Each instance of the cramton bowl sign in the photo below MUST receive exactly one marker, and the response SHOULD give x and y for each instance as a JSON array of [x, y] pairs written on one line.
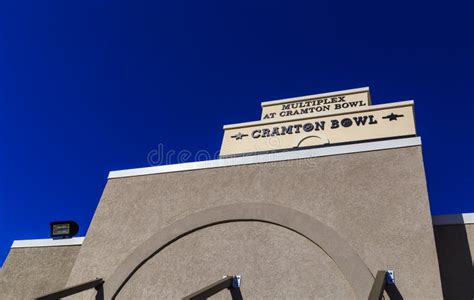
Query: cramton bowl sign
[[297, 122]]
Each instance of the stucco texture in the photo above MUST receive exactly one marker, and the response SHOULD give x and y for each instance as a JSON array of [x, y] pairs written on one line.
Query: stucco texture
[[295, 268], [376, 201], [32, 272]]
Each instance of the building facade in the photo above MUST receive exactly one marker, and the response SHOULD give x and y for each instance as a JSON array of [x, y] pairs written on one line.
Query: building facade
[[309, 202]]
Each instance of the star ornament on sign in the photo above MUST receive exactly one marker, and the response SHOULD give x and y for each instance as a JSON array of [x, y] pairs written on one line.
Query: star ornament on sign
[[239, 136], [393, 117]]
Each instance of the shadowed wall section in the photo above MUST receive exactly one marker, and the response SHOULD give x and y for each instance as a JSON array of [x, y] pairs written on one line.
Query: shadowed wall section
[[455, 246]]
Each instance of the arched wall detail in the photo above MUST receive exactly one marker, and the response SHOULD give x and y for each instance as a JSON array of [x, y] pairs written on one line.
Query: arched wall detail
[[349, 263]]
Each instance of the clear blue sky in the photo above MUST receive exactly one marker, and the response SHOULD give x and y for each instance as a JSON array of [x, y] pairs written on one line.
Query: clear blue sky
[[87, 87]]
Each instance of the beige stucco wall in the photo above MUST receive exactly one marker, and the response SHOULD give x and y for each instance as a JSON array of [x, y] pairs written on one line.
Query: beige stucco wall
[[455, 246], [294, 268], [376, 201], [32, 272]]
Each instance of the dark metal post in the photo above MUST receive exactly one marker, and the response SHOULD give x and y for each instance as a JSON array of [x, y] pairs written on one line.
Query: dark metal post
[[96, 283], [379, 285], [214, 288]]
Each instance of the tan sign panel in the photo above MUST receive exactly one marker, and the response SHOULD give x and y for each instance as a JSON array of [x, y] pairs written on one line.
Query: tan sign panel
[[375, 122], [316, 105]]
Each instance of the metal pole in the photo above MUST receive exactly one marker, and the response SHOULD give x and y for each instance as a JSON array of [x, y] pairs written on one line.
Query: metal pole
[[379, 285]]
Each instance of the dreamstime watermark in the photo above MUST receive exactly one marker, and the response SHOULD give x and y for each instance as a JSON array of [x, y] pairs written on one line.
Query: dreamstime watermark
[[160, 156], [272, 155]]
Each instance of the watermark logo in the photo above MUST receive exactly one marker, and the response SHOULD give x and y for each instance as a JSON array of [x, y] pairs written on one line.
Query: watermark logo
[[161, 156]]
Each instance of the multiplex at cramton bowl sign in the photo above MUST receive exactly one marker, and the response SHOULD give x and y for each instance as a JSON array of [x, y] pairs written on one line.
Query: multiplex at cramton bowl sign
[[315, 105], [318, 120]]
